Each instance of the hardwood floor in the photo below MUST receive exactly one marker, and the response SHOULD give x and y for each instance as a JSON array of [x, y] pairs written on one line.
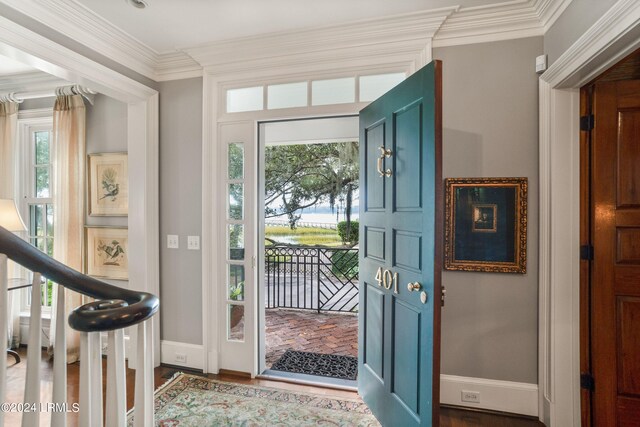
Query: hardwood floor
[[450, 417]]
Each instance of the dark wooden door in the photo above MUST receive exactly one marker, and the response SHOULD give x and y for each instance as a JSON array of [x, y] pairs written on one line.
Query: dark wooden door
[[400, 255], [615, 231]]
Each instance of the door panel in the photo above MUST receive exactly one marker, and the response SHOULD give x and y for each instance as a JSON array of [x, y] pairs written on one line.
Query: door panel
[[615, 232], [407, 250], [374, 193], [629, 340], [374, 243], [406, 354], [628, 159], [374, 321], [407, 159], [399, 330], [628, 247]]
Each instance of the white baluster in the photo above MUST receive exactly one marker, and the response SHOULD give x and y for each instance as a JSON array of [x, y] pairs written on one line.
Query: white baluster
[[59, 418], [116, 381], [143, 415], [85, 380], [90, 380], [96, 379], [4, 309], [34, 354]]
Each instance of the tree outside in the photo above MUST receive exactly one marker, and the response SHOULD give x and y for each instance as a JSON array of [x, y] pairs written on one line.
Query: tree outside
[[303, 179]]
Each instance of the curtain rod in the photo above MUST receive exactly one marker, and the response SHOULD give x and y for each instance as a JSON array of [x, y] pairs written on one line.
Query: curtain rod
[[19, 97]]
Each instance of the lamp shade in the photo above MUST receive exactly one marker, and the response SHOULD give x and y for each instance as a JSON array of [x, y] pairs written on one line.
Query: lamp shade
[[10, 217]]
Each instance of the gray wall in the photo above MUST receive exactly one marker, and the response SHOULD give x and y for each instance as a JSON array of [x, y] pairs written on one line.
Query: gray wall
[[106, 133], [181, 209], [490, 120], [574, 21]]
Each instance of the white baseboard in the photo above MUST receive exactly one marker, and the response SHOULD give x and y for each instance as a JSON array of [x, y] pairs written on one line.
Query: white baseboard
[[24, 330], [193, 354], [504, 396]]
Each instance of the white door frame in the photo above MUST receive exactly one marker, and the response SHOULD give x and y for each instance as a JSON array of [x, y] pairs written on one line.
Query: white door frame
[[214, 118], [615, 35], [24, 45]]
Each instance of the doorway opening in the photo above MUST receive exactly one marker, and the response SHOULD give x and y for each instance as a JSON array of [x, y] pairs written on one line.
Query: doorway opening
[[609, 223], [308, 249]]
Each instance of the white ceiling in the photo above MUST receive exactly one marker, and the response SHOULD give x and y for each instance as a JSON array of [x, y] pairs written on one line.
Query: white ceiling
[[166, 25], [10, 66]]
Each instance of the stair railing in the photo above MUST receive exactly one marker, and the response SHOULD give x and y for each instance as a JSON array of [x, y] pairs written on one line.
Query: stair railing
[[113, 310]]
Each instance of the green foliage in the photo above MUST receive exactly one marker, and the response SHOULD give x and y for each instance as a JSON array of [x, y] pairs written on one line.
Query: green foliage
[[345, 263], [236, 161], [313, 240], [304, 175], [236, 292], [277, 258], [42, 171], [236, 241], [306, 236], [349, 232]]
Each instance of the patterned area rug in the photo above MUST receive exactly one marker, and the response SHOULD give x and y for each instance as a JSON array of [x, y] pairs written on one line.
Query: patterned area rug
[[193, 401], [326, 365]]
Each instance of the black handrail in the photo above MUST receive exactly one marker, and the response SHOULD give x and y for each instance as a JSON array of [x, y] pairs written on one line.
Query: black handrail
[[117, 308]]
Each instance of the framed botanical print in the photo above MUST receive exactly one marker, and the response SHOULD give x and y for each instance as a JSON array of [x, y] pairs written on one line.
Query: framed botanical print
[[107, 252], [108, 184], [486, 224]]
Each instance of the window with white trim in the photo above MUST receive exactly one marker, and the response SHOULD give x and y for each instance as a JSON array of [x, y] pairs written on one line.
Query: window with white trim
[[36, 189], [311, 93]]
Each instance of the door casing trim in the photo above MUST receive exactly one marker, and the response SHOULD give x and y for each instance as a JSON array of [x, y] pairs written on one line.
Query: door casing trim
[[27, 46], [611, 38]]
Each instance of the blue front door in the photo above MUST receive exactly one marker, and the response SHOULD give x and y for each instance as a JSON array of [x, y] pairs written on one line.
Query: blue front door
[[400, 254]]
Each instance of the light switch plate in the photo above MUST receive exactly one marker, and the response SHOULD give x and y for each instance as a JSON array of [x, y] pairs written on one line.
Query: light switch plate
[[193, 243], [173, 241]]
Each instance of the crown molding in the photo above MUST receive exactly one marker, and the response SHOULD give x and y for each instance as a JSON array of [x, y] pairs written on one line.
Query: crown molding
[[176, 66], [502, 21], [30, 82], [77, 22], [43, 114], [550, 10], [445, 27], [615, 35], [398, 38]]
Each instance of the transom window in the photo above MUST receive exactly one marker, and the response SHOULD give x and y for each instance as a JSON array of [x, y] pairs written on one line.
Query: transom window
[[342, 90]]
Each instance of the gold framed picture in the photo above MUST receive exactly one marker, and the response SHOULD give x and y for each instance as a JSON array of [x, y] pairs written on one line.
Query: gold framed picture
[[106, 252], [486, 224], [108, 184]]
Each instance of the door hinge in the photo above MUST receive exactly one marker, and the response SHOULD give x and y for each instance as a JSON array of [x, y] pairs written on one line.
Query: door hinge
[[587, 382], [587, 122], [586, 252]]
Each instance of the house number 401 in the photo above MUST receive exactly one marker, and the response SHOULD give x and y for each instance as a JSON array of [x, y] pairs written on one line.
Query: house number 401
[[386, 279]]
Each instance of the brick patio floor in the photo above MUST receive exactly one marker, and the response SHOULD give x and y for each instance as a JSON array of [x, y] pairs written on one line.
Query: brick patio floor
[[327, 333]]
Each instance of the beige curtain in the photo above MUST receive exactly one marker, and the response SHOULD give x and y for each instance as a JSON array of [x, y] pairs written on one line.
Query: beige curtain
[[68, 183], [8, 159]]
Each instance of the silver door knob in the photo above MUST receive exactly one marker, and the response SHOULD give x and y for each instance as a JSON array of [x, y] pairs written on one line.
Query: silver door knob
[[424, 297]]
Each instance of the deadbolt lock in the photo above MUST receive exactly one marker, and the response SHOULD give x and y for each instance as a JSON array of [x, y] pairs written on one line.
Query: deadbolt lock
[[415, 286]]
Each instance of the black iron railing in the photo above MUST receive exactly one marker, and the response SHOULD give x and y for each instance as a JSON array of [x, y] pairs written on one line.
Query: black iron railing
[[313, 278]]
